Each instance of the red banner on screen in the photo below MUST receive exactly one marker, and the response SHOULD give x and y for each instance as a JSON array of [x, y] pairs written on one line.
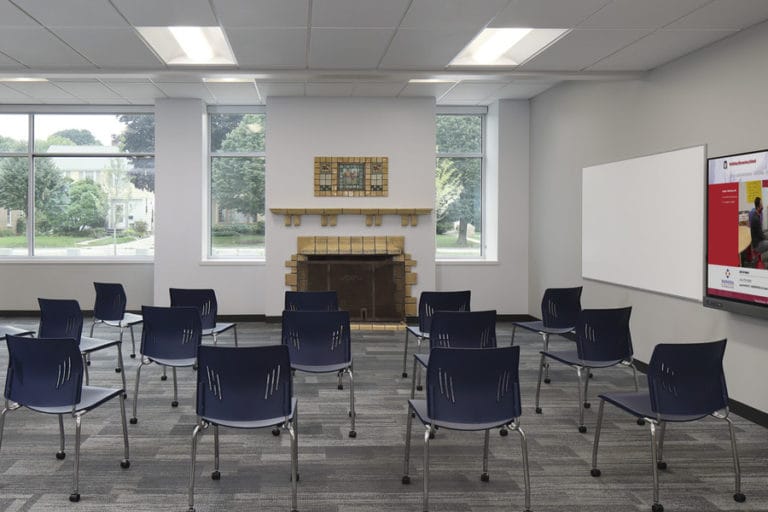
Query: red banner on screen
[[723, 226]]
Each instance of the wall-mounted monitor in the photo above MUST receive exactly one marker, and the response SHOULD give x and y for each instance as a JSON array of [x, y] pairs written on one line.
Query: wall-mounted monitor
[[737, 233]]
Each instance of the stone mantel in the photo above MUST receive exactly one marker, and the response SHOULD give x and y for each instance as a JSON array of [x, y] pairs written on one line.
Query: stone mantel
[[373, 216]]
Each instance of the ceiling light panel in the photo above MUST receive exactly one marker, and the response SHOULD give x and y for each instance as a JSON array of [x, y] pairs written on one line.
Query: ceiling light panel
[[189, 46], [506, 46]]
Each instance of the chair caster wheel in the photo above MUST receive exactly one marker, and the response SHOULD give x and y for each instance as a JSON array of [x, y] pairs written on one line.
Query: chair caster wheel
[[640, 421], [740, 497], [297, 478], [587, 405], [88, 363], [163, 377], [125, 396], [582, 429], [595, 473], [503, 432], [419, 387], [406, 480], [405, 375], [125, 463], [132, 356], [591, 375], [339, 387], [352, 434], [215, 475], [175, 403], [431, 435], [538, 410], [118, 370], [661, 464], [485, 478], [133, 421], [657, 507], [547, 380], [275, 432], [60, 455], [74, 497]]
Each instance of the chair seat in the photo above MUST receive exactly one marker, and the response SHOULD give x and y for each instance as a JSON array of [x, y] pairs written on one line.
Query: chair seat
[[267, 422], [90, 398], [539, 327], [179, 363], [420, 408], [218, 329], [571, 357], [414, 329], [423, 359], [88, 345], [325, 368], [128, 320], [639, 405], [14, 331]]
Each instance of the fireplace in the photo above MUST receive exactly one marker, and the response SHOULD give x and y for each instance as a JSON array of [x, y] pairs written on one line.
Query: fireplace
[[372, 275]]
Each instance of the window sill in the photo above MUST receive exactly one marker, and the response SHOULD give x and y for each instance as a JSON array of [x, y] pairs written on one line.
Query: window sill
[[40, 260], [232, 263], [467, 262]]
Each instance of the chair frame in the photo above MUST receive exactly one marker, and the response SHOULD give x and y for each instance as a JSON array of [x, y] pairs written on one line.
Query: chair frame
[[126, 320]]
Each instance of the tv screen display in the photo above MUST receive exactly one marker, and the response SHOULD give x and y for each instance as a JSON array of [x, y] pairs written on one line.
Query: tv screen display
[[737, 233]]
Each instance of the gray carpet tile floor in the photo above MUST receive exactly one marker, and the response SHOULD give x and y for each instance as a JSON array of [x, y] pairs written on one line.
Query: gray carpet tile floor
[[339, 474]]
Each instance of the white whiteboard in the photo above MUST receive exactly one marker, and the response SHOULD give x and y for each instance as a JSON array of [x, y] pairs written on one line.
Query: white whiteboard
[[642, 222]]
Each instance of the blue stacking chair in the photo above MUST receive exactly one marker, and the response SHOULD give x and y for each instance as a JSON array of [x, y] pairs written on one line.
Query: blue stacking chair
[[311, 301], [320, 342], [603, 340], [429, 302], [170, 337], [469, 389], [457, 329], [686, 382], [109, 309], [205, 301], [244, 388], [46, 375], [62, 318], [560, 309]]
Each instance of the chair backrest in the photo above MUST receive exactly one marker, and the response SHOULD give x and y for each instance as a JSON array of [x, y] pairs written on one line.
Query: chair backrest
[[243, 384], [43, 372], [60, 318], [170, 333], [603, 334], [463, 329], [203, 299], [317, 337], [687, 378], [110, 301], [429, 302], [473, 385], [311, 301], [560, 307]]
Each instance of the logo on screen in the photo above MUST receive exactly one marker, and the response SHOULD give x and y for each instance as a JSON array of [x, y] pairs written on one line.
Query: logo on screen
[[727, 273], [727, 282]]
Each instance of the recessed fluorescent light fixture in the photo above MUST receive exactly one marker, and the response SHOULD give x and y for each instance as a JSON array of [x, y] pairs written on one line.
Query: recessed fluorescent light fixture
[[431, 81], [506, 46], [228, 80], [23, 79], [189, 46]]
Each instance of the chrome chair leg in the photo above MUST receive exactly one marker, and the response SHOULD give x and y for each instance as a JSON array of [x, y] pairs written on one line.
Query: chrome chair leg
[[407, 456], [339, 383], [134, 419], [634, 375], [596, 472], [352, 413], [85, 367], [75, 496], [293, 434], [2, 422], [660, 464], [405, 354], [126, 462], [133, 343], [120, 363], [656, 507], [737, 495], [417, 368], [92, 326], [61, 454], [425, 498], [580, 375], [216, 475], [413, 378], [512, 341], [195, 433], [164, 376], [234, 331], [546, 349], [484, 476], [296, 435], [526, 472], [538, 383], [175, 402], [587, 405]]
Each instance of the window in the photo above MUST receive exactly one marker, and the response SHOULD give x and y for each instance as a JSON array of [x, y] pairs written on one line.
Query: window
[[459, 186], [236, 184], [93, 187]]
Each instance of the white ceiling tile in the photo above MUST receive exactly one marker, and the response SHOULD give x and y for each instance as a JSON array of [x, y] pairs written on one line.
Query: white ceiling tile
[[547, 13], [329, 89], [8, 64], [426, 89], [582, 48], [87, 90], [6, 94], [472, 91], [245, 93], [452, 14], [262, 13], [726, 15], [12, 16], [105, 101], [41, 90], [425, 49], [358, 13], [167, 13], [659, 48], [522, 90], [73, 13], [375, 89], [645, 14], [347, 48], [136, 90], [111, 48], [186, 90], [269, 47], [37, 48], [280, 89]]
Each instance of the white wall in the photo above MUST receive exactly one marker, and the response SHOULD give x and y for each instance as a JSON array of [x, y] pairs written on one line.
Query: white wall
[[716, 97], [299, 129]]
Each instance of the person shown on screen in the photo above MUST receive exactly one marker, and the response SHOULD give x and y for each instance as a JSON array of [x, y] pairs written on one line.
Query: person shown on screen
[[759, 240]]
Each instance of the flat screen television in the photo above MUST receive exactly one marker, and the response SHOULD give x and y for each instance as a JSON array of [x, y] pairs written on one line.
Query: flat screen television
[[736, 274]]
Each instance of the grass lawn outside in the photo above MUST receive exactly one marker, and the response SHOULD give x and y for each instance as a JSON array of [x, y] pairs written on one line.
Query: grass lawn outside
[[238, 241], [50, 241]]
